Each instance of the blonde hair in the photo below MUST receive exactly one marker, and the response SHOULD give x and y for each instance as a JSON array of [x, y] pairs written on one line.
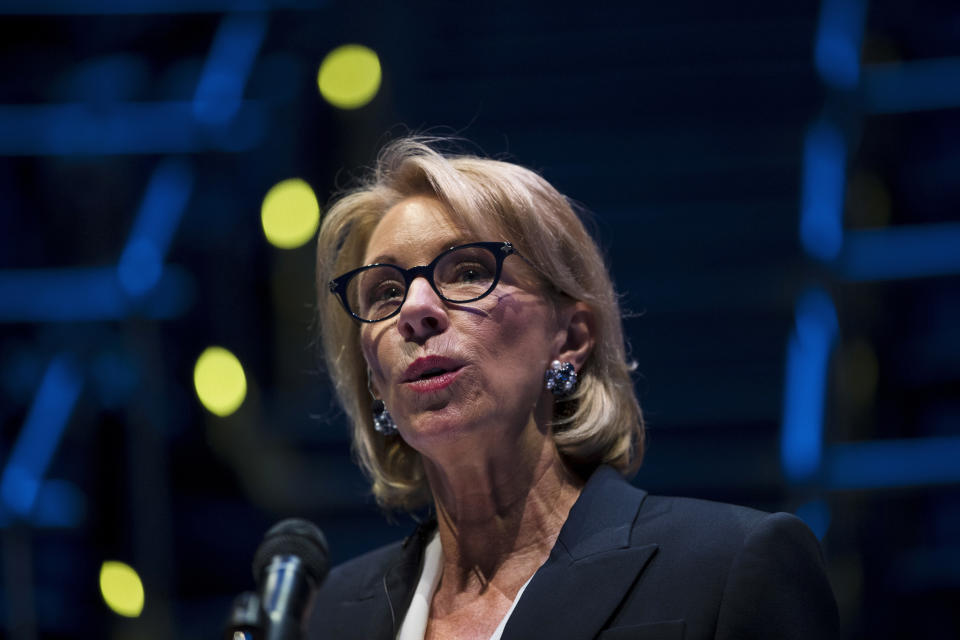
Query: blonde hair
[[601, 423]]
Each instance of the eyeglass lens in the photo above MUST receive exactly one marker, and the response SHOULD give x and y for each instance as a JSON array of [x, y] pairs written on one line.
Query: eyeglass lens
[[461, 275]]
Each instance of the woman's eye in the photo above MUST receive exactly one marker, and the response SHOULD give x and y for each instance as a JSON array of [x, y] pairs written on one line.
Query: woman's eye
[[471, 272], [384, 292], [390, 292]]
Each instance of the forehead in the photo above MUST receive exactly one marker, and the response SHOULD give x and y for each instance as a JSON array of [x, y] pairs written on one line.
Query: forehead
[[414, 230]]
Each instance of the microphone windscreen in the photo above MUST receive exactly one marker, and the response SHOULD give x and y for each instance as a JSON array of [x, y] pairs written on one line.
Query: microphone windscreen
[[294, 537]]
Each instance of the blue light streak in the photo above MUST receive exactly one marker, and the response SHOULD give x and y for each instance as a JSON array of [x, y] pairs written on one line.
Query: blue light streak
[[59, 505], [38, 440], [821, 207], [816, 514], [124, 128], [87, 294], [137, 7], [808, 358], [912, 86], [235, 46], [890, 464], [141, 263], [140, 267], [836, 48], [901, 252]]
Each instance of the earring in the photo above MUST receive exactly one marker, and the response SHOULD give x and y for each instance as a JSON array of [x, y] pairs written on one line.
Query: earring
[[382, 420], [561, 378]]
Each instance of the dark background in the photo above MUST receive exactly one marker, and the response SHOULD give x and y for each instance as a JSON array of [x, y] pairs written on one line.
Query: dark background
[[775, 185]]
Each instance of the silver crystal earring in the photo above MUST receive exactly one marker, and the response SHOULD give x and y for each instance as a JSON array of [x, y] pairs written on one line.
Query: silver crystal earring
[[561, 378], [382, 420]]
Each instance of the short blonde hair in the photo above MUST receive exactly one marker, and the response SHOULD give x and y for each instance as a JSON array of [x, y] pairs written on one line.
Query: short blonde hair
[[601, 423]]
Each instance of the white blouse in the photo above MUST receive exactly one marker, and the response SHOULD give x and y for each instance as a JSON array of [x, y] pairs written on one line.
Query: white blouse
[[414, 624]]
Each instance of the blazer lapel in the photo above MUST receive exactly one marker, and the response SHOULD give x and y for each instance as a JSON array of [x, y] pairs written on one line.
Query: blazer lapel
[[590, 568], [378, 609], [400, 580]]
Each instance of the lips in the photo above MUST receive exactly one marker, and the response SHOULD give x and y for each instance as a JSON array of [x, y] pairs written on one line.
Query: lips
[[430, 368]]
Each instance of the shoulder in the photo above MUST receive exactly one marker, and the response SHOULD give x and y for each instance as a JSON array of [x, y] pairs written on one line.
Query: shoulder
[[683, 529], [714, 535], [688, 526], [701, 518], [751, 573]]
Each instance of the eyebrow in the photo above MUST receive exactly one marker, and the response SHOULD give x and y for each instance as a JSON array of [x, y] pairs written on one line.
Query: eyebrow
[[381, 259], [388, 258]]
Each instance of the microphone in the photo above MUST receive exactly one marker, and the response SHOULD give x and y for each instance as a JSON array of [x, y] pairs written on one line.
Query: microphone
[[245, 621], [289, 567]]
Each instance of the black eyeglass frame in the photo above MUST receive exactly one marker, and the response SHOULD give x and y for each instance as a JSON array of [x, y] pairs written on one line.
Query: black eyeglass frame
[[500, 251]]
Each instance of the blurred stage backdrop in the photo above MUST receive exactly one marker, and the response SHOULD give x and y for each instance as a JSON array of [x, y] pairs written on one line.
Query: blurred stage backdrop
[[776, 185]]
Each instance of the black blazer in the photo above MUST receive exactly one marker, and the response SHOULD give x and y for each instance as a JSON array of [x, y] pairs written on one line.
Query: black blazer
[[626, 565]]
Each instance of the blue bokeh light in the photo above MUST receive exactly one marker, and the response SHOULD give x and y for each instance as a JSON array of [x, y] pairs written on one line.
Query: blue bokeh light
[[816, 514], [902, 252], [821, 208], [884, 464], [808, 358], [60, 504], [124, 128], [836, 49], [135, 7], [918, 85], [220, 89], [141, 264], [38, 439], [88, 294]]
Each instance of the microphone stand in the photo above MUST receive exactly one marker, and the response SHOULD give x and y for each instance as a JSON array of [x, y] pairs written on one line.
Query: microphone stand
[[246, 618]]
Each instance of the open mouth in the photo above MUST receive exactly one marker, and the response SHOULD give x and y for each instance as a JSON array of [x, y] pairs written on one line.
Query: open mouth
[[433, 379], [432, 373], [430, 367]]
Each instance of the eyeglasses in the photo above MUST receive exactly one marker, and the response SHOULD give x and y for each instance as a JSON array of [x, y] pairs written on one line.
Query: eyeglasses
[[460, 274]]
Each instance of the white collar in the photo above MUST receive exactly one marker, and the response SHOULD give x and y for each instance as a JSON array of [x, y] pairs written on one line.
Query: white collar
[[414, 624]]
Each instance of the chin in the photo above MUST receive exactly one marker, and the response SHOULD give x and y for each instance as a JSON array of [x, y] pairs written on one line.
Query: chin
[[427, 429]]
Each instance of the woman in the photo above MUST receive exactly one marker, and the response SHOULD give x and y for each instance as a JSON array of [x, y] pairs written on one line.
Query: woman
[[474, 339]]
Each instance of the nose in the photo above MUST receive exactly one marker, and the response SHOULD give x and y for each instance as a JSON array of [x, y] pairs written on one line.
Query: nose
[[423, 312]]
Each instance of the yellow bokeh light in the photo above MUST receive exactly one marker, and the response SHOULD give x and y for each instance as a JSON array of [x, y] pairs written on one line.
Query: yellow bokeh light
[[121, 588], [290, 214], [219, 380], [349, 76]]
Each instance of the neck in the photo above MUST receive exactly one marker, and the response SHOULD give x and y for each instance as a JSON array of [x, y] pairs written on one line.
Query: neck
[[498, 520]]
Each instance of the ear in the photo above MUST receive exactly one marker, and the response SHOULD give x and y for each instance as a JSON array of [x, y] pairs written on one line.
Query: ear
[[372, 384], [577, 334]]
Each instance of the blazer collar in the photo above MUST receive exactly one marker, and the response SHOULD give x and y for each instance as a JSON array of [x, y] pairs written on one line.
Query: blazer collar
[[602, 517], [591, 567], [400, 579], [587, 574], [374, 608]]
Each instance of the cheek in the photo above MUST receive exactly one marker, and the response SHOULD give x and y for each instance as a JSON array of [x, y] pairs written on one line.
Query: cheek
[[519, 326], [517, 339], [372, 346]]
